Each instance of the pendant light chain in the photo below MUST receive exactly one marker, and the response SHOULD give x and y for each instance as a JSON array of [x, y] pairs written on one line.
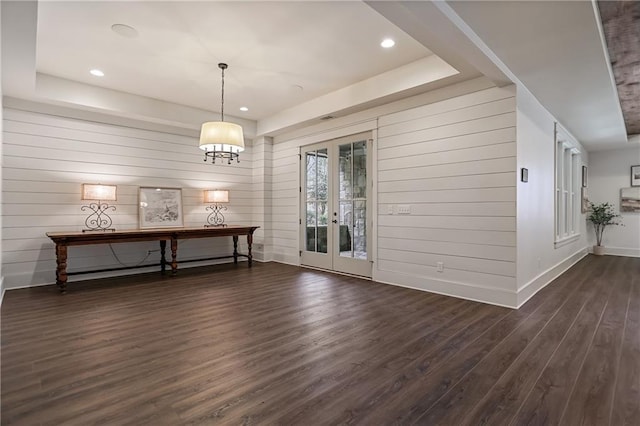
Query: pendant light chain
[[223, 67]]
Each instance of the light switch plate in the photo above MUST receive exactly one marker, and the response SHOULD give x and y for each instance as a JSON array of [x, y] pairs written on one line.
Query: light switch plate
[[404, 209]]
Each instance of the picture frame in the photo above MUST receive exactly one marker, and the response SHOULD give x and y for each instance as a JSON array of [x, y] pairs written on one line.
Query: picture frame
[[630, 199], [160, 207], [584, 176], [635, 175], [584, 205], [524, 175]]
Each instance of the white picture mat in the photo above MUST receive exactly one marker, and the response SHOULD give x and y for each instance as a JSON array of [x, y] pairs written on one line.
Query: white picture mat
[[160, 207]]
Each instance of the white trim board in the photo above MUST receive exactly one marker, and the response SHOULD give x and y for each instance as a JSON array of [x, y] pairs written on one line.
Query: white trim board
[[619, 251], [492, 296], [528, 290], [2, 290]]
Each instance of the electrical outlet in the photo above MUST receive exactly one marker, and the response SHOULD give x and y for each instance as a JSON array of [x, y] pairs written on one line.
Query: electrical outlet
[[440, 266], [404, 209]]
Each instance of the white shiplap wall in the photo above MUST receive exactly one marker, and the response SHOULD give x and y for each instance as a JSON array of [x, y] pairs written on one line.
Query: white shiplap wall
[[453, 163], [285, 202], [47, 157], [262, 201]]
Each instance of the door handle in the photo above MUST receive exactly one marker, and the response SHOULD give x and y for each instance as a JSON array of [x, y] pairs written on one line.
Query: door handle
[[335, 221]]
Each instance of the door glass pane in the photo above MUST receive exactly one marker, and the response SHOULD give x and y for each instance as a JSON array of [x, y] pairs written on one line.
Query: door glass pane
[[346, 229], [323, 221], [311, 175], [322, 179], [310, 236], [359, 235], [360, 170], [352, 200], [345, 172], [316, 185]]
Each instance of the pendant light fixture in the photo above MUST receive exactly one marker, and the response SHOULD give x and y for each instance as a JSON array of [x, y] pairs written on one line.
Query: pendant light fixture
[[220, 139]]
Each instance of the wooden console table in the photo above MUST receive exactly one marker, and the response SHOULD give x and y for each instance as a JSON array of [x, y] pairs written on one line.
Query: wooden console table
[[66, 239]]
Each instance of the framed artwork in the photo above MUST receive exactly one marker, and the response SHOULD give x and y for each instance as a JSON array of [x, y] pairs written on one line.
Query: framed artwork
[[630, 199], [584, 176], [524, 175], [635, 175], [160, 207], [585, 201]]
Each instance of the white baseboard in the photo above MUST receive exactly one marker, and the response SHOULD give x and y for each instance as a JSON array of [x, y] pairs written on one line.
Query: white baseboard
[[619, 251], [1, 290], [535, 285], [492, 296], [287, 259]]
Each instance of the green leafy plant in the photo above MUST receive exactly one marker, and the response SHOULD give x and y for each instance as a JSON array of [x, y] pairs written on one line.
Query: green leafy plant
[[602, 215]]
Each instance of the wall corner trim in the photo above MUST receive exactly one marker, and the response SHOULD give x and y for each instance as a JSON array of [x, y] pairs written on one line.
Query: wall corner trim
[[528, 290], [2, 290]]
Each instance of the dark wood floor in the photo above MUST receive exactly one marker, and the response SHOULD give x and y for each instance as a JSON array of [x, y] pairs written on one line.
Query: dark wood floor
[[278, 344]]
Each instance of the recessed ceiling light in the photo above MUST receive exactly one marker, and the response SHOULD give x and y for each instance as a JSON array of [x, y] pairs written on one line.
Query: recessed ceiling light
[[124, 30], [245, 109], [387, 43], [97, 73]]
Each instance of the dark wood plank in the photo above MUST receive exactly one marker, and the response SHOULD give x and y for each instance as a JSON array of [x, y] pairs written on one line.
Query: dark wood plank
[[276, 344], [416, 387], [547, 399], [592, 396], [626, 403], [500, 361], [500, 403]]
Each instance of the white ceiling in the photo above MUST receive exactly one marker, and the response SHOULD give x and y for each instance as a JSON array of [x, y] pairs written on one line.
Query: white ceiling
[[271, 47], [556, 49], [169, 74]]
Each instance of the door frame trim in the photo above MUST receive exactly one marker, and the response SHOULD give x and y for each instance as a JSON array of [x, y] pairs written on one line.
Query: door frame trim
[[371, 127]]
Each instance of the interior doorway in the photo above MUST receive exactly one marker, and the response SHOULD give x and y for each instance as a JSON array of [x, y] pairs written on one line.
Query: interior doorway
[[336, 213]]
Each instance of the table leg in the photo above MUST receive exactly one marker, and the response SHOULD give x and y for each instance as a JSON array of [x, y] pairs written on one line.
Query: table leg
[[61, 270], [174, 256], [235, 249], [163, 259], [249, 242]]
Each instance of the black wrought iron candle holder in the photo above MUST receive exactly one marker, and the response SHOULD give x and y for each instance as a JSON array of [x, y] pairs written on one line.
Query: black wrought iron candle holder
[[98, 220], [215, 218]]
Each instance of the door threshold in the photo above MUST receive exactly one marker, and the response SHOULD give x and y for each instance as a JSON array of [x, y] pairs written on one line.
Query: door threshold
[[364, 277]]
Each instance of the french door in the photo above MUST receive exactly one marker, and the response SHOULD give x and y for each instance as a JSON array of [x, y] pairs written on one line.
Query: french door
[[336, 205]]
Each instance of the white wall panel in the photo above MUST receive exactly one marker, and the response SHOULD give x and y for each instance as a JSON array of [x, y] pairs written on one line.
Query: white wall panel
[[472, 140], [609, 172], [452, 164], [539, 261], [47, 158]]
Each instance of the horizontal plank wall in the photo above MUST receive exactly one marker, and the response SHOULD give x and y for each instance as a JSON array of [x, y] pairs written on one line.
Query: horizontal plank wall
[[262, 198], [285, 202], [450, 156], [2, 288], [47, 157], [452, 165]]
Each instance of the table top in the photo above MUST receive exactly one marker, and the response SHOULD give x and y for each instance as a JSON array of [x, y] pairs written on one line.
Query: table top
[[160, 233]]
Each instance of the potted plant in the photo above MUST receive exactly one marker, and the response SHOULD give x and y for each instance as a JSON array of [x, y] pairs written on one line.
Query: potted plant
[[601, 215]]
